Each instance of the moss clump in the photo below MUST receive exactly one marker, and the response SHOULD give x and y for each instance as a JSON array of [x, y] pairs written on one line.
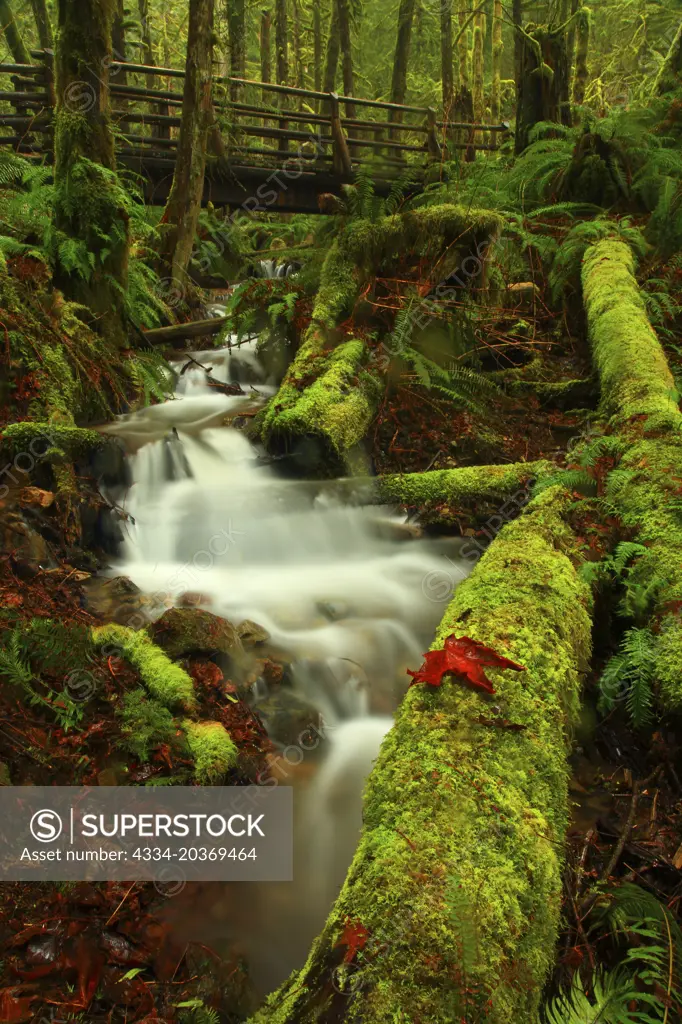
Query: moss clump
[[145, 724], [184, 631], [442, 494], [464, 822], [213, 751], [51, 441], [167, 682]]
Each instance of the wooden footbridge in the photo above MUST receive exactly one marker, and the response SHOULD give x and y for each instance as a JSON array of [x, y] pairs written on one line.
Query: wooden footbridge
[[273, 147]]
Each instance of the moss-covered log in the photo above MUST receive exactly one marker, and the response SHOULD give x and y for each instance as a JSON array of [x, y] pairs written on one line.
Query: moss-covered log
[[328, 396], [451, 907], [639, 398]]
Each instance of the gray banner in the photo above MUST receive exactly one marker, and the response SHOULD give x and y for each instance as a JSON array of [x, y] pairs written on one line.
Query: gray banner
[[163, 835]]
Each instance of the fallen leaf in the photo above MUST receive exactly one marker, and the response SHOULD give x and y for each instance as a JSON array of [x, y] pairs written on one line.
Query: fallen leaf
[[15, 1009], [354, 937], [463, 657]]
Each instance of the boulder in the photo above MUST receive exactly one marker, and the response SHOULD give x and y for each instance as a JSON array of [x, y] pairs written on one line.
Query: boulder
[[184, 631]]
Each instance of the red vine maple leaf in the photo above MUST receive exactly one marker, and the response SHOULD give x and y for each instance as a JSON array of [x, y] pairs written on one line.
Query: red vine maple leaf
[[354, 937], [463, 657]]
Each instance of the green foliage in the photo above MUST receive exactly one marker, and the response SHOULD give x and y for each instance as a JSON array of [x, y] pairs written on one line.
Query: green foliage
[[614, 567], [629, 674], [145, 724], [43, 645], [195, 1011], [151, 375], [609, 1001], [362, 201], [565, 271], [570, 479]]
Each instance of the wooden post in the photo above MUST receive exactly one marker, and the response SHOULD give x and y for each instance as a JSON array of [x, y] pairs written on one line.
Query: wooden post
[[432, 141], [341, 160]]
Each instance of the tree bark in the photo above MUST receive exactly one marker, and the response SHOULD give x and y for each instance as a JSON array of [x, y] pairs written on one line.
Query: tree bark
[[446, 58], [495, 106], [462, 49], [582, 44], [118, 39], [147, 44], [282, 42], [299, 75], [317, 48], [543, 86], [333, 48], [237, 32], [477, 65], [401, 58], [346, 53], [17, 46], [90, 205], [43, 24], [265, 52], [459, 866], [184, 202]]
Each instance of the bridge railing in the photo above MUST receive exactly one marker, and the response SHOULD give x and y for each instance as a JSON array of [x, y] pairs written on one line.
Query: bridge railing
[[259, 124]]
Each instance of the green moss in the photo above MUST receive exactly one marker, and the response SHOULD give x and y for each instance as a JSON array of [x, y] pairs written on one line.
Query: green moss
[[460, 813], [336, 406], [145, 724], [167, 682], [637, 389], [634, 373], [184, 631], [443, 493], [338, 403], [213, 751]]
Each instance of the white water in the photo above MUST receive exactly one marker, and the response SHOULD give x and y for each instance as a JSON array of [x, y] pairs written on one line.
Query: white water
[[351, 610]]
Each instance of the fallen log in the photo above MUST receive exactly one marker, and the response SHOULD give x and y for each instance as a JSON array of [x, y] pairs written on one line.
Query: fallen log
[[331, 390], [179, 332], [643, 415], [451, 907]]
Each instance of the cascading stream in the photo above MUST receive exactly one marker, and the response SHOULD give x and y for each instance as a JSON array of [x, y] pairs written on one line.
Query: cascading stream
[[345, 603]]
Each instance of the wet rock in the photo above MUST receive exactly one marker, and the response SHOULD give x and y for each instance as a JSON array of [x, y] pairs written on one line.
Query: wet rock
[[22, 541], [288, 718], [251, 633], [116, 600], [42, 951], [184, 631]]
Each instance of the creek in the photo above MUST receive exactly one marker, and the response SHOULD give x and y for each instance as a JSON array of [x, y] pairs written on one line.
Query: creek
[[345, 593]]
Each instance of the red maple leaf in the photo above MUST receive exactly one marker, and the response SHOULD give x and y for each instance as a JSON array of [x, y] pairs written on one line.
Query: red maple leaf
[[463, 657], [354, 937]]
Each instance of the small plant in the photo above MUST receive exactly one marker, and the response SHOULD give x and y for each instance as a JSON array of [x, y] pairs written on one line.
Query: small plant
[[630, 674]]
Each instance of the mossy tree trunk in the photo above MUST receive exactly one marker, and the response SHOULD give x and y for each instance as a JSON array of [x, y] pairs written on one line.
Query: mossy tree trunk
[[282, 42], [638, 398], [265, 51], [91, 207], [184, 202], [446, 58], [236, 17], [43, 24], [495, 105], [317, 48], [346, 52], [582, 35], [669, 76], [477, 65], [17, 46], [462, 49], [331, 62], [543, 93], [401, 58], [455, 889]]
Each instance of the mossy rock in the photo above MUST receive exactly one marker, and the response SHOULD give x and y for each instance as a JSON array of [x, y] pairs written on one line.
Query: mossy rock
[[116, 600], [184, 631], [286, 717], [168, 683], [212, 750]]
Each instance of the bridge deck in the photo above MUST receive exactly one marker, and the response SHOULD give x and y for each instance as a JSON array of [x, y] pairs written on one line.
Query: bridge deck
[[316, 140]]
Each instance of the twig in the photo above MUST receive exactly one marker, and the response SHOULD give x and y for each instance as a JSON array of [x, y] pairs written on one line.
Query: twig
[[120, 904]]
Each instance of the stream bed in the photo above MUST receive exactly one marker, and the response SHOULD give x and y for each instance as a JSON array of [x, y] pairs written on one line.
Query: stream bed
[[347, 597]]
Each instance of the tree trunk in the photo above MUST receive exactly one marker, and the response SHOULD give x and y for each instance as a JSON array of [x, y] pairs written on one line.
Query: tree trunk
[[582, 44], [346, 53], [477, 65], [543, 85], [282, 42], [331, 63], [401, 58], [299, 75], [446, 60], [90, 205], [184, 202], [148, 54], [460, 858], [236, 16], [43, 24], [118, 39], [495, 106], [265, 52], [462, 49], [668, 78], [17, 47], [317, 48], [517, 20], [638, 391]]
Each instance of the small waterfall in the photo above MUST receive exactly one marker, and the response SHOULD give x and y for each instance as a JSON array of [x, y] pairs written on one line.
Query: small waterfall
[[349, 607]]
